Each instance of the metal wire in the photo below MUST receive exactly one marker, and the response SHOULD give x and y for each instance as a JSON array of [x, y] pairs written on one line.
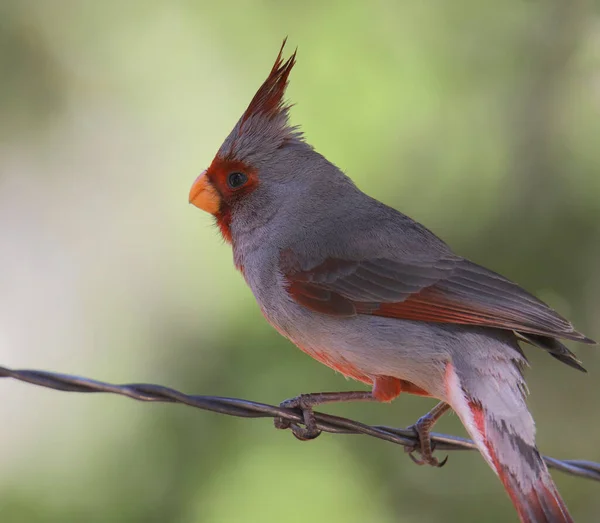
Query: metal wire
[[250, 409]]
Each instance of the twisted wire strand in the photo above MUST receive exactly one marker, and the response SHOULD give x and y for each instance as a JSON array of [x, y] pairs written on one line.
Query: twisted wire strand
[[251, 409]]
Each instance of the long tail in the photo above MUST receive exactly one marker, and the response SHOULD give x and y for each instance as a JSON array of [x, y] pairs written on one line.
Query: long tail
[[492, 408]]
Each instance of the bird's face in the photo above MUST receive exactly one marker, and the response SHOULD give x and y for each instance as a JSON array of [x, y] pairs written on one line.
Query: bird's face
[[222, 188]]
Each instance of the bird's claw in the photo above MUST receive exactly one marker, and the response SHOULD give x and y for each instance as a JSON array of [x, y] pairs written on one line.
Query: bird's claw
[[425, 446], [431, 460], [303, 433]]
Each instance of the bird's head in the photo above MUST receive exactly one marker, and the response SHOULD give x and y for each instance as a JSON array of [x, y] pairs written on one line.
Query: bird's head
[[264, 166], [254, 155]]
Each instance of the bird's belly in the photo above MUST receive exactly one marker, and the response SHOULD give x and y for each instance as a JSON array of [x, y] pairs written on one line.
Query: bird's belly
[[391, 384], [367, 347], [337, 362]]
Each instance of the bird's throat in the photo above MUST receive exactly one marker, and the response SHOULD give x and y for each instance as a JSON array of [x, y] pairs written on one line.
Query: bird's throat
[[223, 218]]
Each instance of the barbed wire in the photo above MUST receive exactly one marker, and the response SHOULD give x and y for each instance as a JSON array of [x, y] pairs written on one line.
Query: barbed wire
[[251, 409]]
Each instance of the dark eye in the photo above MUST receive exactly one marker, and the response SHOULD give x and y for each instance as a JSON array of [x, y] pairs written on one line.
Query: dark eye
[[235, 180]]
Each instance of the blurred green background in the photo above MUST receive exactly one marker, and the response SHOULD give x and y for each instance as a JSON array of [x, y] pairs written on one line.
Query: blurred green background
[[479, 119]]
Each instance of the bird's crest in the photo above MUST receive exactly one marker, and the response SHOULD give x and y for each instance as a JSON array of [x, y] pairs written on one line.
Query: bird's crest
[[263, 128], [268, 100]]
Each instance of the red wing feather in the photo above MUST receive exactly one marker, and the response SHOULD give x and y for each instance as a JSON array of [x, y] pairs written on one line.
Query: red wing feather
[[321, 300], [431, 305], [448, 290]]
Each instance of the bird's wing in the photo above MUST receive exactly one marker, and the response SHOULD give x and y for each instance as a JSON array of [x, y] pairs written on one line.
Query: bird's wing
[[446, 289]]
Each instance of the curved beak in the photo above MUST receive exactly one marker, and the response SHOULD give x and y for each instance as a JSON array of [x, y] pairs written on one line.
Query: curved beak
[[204, 196]]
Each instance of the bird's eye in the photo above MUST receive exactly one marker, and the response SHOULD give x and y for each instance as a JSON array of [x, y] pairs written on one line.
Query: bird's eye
[[235, 180]]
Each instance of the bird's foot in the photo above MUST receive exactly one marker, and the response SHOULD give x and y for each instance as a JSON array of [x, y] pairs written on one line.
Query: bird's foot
[[305, 403], [425, 446]]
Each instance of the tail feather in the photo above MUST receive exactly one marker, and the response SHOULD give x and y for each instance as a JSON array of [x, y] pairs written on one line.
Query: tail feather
[[504, 434], [536, 500], [547, 505], [555, 348], [542, 504]]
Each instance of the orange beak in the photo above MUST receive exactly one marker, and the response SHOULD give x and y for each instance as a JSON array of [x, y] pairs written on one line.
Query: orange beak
[[204, 196]]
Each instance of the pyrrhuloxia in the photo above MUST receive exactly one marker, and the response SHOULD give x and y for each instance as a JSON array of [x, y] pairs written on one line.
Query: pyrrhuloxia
[[376, 296]]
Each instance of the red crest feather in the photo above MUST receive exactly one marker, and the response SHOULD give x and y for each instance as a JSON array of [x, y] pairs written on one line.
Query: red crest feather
[[268, 100]]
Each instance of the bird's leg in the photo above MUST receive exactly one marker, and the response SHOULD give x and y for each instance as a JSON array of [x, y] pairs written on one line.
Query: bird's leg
[[423, 428], [306, 403]]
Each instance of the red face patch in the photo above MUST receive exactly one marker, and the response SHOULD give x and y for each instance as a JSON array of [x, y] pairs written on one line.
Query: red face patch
[[233, 180]]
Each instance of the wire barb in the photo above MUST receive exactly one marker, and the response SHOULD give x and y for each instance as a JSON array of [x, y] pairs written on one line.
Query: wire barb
[[251, 409]]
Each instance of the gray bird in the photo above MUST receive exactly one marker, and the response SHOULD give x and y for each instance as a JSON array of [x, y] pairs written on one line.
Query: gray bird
[[376, 296]]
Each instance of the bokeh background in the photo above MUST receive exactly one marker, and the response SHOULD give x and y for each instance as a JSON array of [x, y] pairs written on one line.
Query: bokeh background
[[480, 119]]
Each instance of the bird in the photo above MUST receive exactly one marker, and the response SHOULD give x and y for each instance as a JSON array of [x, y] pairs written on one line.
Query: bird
[[378, 297]]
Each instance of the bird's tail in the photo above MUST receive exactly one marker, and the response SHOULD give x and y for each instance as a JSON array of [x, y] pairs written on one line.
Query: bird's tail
[[495, 415]]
